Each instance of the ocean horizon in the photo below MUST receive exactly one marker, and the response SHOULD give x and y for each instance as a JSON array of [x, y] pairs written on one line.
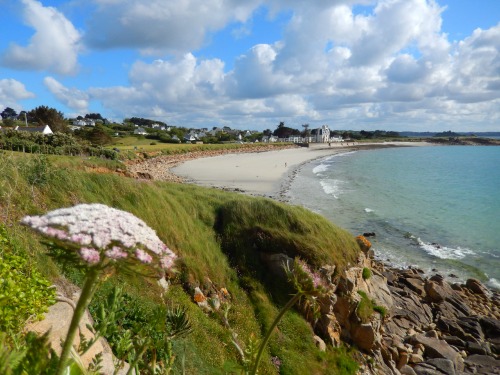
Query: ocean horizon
[[435, 208]]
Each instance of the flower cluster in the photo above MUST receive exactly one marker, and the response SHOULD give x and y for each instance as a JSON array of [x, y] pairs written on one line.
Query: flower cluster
[[102, 233]]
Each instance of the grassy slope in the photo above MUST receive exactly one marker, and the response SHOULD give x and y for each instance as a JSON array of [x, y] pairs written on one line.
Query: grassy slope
[[216, 234]]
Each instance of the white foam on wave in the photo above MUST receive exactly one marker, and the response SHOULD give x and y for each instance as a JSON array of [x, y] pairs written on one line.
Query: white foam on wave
[[444, 252], [368, 210], [494, 283], [331, 187], [320, 168]]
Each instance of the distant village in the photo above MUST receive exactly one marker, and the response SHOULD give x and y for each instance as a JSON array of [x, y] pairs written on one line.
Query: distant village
[[47, 120]]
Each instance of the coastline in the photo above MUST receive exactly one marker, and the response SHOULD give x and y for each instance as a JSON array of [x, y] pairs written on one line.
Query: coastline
[[425, 323], [267, 173]]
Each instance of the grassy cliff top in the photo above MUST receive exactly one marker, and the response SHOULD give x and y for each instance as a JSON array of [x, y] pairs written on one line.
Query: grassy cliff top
[[218, 236]]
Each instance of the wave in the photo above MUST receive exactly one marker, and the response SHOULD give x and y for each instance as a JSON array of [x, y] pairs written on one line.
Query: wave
[[494, 283], [368, 210], [320, 168], [332, 187], [444, 252]]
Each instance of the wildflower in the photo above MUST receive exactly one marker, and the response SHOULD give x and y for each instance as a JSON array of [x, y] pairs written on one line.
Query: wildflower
[[103, 234], [100, 236]]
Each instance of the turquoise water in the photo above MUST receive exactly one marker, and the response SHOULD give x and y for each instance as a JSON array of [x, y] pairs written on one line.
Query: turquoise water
[[435, 207]]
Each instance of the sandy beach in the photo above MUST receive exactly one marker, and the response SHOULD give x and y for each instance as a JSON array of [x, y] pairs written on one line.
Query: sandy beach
[[264, 173]]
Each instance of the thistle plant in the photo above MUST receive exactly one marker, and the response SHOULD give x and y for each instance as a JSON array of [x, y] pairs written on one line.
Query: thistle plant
[[309, 287], [99, 239]]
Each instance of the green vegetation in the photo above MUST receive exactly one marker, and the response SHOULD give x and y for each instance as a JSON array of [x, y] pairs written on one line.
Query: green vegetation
[[367, 273], [367, 307], [218, 236], [24, 292]]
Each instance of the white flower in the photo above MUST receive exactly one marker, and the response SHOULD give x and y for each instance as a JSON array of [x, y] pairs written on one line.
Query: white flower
[[112, 233]]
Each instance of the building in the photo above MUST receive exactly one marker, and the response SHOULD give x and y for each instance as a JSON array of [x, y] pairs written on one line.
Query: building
[[44, 129]]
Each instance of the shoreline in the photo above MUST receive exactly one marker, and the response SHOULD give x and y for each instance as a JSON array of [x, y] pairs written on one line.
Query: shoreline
[[266, 174]]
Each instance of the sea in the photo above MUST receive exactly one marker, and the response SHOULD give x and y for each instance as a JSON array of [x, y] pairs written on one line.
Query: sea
[[432, 207]]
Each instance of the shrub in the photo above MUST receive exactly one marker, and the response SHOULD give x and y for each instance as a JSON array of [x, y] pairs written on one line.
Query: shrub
[[24, 293], [365, 307], [367, 273], [381, 310]]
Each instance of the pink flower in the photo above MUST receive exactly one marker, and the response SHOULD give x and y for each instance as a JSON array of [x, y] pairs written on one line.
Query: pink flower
[[103, 232], [143, 256], [89, 255], [116, 253]]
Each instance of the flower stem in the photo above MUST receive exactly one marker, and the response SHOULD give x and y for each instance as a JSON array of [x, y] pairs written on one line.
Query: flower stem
[[89, 287], [264, 342]]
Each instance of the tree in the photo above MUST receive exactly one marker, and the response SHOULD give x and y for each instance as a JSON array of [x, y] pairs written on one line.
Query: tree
[[8, 113], [306, 130], [94, 116], [284, 132], [44, 115]]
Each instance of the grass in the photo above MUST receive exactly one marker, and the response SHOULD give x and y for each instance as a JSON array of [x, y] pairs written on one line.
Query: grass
[[144, 144], [216, 234]]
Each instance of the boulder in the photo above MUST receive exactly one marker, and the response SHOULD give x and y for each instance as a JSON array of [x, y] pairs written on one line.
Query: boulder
[[475, 286], [57, 321], [415, 284], [483, 364], [365, 336], [435, 348], [407, 370], [443, 365]]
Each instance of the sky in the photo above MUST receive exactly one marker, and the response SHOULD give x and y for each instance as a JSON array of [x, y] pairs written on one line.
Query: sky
[[412, 65]]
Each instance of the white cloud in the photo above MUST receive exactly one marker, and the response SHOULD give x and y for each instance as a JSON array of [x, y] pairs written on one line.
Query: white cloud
[[71, 97], [159, 26], [390, 67], [53, 47], [11, 91], [477, 67]]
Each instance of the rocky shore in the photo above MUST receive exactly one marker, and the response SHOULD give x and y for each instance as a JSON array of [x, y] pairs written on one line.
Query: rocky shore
[[418, 325]]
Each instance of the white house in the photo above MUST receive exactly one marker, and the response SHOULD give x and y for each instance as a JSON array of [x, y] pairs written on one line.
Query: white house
[[44, 129], [140, 131], [269, 139], [84, 122]]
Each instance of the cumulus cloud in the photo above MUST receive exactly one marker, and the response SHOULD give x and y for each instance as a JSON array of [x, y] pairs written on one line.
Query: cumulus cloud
[[53, 47], [159, 26], [391, 65], [71, 97], [12, 91]]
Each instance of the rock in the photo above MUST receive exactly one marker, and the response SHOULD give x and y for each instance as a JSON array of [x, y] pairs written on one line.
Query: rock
[[441, 364], [408, 307], [491, 327], [484, 363], [415, 358], [364, 336], [407, 370], [455, 341], [478, 348], [417, 285], [477, 287], [435, 348], [426, 369], [377, 289], [57, 321], [320, 344]]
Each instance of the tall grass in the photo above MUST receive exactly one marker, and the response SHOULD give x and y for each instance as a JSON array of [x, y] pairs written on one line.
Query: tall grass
[[217, 236]]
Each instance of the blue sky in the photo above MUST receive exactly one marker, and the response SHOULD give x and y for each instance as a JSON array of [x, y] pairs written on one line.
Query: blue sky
[[422, 65]]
